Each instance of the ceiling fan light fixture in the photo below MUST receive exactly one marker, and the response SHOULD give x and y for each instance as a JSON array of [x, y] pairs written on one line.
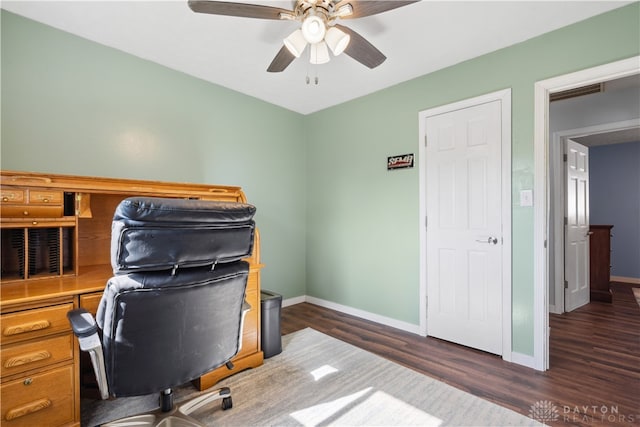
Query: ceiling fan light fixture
[[313, 29], [343, 11], [295, 43], [319, 53], [316, 18], [337, 40], [288, 16]]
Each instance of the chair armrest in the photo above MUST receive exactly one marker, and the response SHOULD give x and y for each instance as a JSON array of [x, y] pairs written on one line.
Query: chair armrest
[[82, 323], [85, 328], [245, 309]]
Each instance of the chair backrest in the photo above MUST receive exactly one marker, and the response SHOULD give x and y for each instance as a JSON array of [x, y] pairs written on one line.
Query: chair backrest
[[158, 234], [173, 310]]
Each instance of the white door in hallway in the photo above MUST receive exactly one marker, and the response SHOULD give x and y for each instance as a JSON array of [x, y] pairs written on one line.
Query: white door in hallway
[[576, 247], [464, 223]]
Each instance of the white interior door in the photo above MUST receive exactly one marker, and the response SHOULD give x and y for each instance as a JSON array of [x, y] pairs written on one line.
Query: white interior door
[[464, 239], [576, 247]]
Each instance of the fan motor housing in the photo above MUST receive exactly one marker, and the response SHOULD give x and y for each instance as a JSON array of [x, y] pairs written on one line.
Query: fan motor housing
[[321, 7]]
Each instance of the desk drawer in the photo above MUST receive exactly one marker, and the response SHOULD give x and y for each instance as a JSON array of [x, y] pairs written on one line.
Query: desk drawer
[[46, 197], [28, 324], [22, 357], [90, 302], [31, 211], [32, 204], [45, 399], [12, 195]]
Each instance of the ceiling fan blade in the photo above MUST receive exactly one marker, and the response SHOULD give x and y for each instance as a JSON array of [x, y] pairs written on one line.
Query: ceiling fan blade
[[361, 50], [362, 8], [281, 61], [237, 9]]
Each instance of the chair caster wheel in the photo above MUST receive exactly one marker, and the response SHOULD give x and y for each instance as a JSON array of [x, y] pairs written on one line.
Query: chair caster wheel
[[227, 403]]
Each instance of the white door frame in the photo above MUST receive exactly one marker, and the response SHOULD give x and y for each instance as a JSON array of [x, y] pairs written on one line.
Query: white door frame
[[505, 97], [542, 89], [558, 207]]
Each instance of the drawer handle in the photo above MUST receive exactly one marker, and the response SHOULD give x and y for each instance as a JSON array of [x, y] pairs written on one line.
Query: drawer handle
[[27, 409], [27, 327], [27, 358], [45, 198]]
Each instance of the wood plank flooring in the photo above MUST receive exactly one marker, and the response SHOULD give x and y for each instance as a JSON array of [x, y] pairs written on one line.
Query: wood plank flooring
[[594, 357]]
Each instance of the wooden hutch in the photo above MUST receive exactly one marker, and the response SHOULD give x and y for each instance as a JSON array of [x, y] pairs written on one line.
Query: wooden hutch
[[56, 232], [600, 263]]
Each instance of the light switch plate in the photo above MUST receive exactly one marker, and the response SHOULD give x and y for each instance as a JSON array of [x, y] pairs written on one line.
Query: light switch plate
[[526, 197]]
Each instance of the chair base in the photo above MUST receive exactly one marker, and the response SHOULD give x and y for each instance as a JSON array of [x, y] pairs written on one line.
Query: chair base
[[177, 416]]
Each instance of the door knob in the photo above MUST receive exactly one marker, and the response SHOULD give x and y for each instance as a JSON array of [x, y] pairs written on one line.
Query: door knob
[[490, 240]]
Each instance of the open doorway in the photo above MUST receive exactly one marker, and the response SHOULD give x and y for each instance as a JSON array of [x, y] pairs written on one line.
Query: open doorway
[[542, 214], [608, 115]]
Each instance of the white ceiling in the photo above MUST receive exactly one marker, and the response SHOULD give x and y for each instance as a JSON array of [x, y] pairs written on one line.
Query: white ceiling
[[607, 138], [235, 52], [622, 136], [617, 103]]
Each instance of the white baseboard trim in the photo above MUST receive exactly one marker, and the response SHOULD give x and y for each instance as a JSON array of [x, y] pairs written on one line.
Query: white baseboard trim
[[555, 310], [523, 359], [293, 301], [387, 321], [634, 280], [394, 323], [517, 358]]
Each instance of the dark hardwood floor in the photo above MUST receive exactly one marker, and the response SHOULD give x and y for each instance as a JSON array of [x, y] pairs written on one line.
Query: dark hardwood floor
[[594, 377]]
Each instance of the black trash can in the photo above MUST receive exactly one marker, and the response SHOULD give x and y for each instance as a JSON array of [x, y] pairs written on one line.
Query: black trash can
[[270, 305]]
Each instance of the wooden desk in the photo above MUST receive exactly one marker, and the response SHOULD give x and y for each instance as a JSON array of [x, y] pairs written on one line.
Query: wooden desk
[[56, 237]]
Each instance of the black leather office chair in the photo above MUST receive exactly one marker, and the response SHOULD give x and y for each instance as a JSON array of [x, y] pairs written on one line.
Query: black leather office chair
[[175, 306]]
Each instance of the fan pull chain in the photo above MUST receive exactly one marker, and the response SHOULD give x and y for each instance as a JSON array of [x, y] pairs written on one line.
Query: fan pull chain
[[316, 80]]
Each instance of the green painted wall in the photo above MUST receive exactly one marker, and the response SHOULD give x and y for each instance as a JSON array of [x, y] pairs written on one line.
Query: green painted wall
[[362, 221], [76, 107], [338, 226]]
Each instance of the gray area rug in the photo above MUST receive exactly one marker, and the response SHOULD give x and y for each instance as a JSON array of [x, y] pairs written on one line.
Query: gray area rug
[[319, 381]]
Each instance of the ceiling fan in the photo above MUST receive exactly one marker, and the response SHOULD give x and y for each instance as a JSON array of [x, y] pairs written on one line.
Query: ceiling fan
[[318, 27]]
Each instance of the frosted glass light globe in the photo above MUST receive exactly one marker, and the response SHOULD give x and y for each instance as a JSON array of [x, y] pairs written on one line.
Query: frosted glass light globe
[[313, 29]]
